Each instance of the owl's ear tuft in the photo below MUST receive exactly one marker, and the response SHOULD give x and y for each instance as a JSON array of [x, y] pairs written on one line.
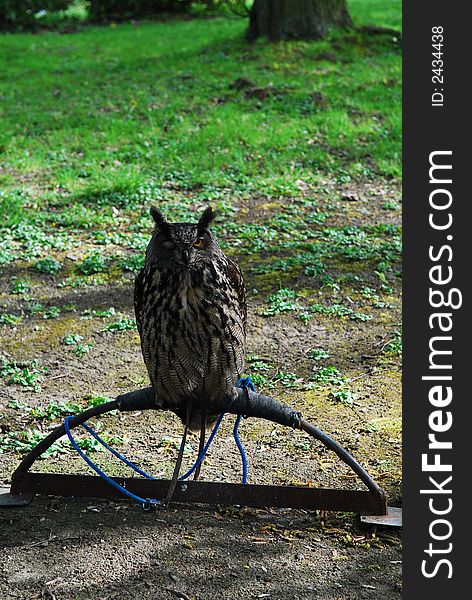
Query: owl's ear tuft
[[206, 219], [159, 218]]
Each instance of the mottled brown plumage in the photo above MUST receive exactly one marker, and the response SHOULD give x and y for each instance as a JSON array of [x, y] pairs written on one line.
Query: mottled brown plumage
[[190, 306]]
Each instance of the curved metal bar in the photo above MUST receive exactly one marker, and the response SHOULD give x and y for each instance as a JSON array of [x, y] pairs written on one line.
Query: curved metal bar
[[246, 403], [251, 404], [60, 431], [344, 456], [142, 399]]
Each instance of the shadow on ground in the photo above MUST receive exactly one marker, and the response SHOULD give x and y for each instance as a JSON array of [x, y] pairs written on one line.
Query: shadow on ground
[[74, 549]]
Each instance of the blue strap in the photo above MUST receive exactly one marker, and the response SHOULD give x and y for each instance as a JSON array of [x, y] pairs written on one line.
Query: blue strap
[[205, 449], [240, 447], [146, 502], [246, 382], [117, 454], [243, 382]]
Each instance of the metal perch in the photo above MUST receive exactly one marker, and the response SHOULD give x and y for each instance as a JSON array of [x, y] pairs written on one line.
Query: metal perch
[[247, 403]]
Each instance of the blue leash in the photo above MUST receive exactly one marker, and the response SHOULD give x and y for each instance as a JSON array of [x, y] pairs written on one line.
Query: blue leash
[[147, 503], [243, 382], [205, 449]]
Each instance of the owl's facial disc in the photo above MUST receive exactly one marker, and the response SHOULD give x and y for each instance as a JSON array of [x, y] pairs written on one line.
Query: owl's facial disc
[[186, 246], [190, 254]]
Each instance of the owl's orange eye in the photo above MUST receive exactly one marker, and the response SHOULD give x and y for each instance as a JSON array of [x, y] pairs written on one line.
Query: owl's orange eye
[[198, 243]]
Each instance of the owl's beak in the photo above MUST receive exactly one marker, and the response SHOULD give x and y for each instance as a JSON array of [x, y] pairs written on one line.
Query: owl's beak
[[186, 256]]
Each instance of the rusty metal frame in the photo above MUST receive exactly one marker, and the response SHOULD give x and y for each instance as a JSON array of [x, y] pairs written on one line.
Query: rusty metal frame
[[203, 492], [25, 483]]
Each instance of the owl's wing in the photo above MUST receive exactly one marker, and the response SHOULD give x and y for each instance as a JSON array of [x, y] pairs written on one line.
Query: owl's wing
[[138, 299], [236, 278]]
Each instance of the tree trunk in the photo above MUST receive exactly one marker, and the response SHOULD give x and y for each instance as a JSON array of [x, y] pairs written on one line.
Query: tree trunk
[[296, 19]]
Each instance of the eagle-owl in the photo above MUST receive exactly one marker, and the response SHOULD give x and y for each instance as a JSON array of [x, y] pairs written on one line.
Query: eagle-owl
[[190, 306]]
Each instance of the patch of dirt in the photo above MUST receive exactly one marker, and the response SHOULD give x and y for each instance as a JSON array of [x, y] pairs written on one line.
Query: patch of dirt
[[78, 549], [89, 549]]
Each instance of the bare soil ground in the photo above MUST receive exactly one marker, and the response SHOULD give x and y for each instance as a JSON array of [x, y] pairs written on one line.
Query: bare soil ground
[[68, 549]]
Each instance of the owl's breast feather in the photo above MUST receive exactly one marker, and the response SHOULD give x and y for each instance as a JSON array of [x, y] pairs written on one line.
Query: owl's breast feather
[[187, 294]]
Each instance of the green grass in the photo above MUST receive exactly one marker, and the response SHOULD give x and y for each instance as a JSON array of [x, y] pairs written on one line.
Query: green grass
[[92, 264], [343, 396], [283, 301], [48, 266], [123, 324], [395, 345], [99, 124], [318, 354], [377, 12], [156, 102], [19, 286], [26, 375], [328, 375], [11, 206]]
